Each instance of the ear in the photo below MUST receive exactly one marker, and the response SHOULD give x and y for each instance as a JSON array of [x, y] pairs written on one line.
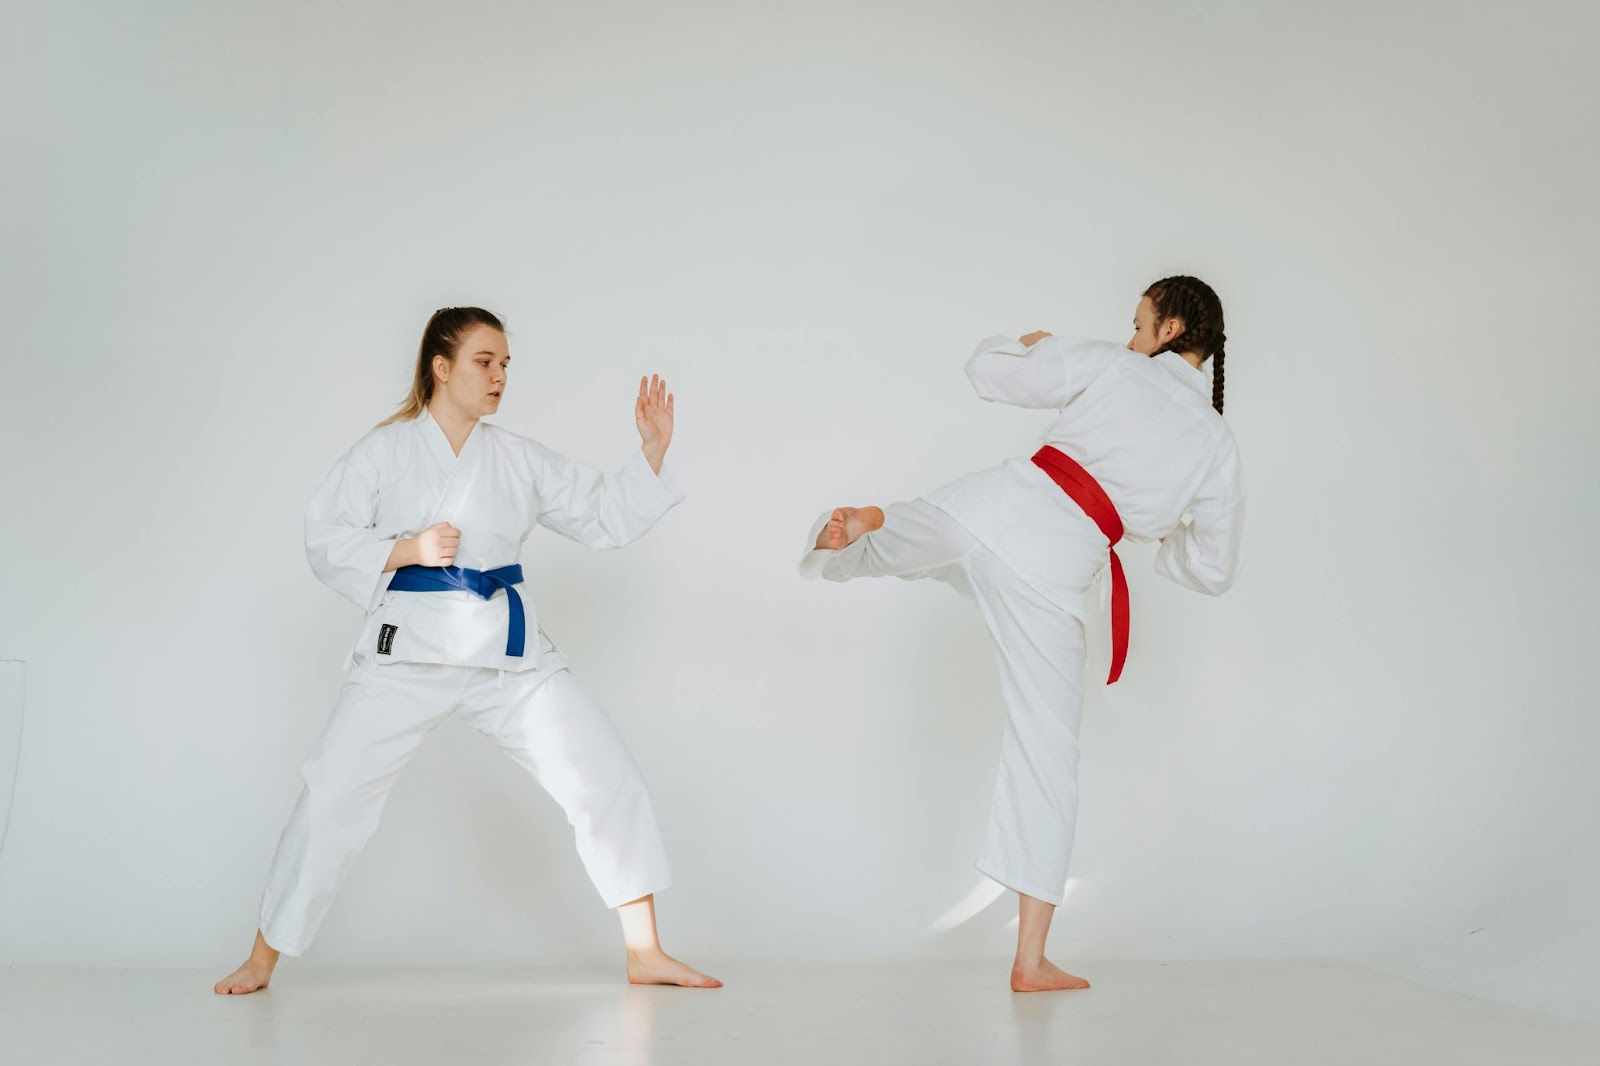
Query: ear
[[1171, 328]]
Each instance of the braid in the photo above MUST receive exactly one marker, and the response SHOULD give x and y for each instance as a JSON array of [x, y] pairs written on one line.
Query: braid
[[1197, 306]]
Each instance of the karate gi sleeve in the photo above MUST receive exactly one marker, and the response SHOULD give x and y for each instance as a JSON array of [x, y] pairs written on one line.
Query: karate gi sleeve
[[1203, 555], [598, 509], [342, 545], [1047, 375]]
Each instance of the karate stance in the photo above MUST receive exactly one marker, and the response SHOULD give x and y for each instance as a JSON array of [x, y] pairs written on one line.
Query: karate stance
[[421, 524], [1135, 448]]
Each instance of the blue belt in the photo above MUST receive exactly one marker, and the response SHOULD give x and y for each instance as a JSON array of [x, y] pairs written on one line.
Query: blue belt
[[480, 583]]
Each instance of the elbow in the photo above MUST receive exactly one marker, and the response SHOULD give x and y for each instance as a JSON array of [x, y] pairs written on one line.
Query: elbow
[[621, 538], [971, 370], [1218, 583], [980, 383], [1194, 577], [607, 539]]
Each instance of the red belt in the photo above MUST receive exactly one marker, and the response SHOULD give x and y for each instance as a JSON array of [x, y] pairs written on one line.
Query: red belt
[[1087, 494]]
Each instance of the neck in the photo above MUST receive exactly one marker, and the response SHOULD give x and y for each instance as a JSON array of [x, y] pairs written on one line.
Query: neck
[[1194, 359], [457, 426]]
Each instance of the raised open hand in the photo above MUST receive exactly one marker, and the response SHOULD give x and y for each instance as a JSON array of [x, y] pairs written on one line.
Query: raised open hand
[[652, 413]]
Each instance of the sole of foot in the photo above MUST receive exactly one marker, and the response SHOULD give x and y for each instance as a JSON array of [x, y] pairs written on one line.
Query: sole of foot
[[847, 524]]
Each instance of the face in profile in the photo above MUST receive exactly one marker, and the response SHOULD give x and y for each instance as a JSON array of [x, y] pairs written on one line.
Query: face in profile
[[1149, 336], [475, 380]]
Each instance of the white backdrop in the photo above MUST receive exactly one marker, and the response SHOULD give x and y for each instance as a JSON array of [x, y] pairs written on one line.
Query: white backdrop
[[227, 228]]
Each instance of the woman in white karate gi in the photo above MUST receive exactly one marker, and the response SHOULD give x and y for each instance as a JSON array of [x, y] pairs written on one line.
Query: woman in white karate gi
[[1138, 449], [421, 524]]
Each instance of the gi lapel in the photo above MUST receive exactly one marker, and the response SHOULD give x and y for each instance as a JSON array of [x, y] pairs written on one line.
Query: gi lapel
[[461, 470]]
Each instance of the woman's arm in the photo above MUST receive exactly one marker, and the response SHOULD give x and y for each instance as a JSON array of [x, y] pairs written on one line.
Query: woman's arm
[[602, 510], [1038, 371], [1204, 555], [342, 544]]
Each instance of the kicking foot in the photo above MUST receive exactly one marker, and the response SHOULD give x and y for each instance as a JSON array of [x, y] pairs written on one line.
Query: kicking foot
[[1045, 977], [848, 524], [659, 968], [251, 977]]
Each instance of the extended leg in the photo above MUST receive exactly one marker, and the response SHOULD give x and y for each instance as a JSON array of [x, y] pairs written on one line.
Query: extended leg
[[382, 715], [555, 730], [913, 539], [648, 964]]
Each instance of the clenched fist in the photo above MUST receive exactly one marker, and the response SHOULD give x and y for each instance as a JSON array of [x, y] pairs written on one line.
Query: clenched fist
[[436, 545]]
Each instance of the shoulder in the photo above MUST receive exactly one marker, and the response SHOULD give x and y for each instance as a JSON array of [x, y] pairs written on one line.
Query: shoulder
[[1091, 360], [503, 437], [374, 443], [382, 453], [1227, 447], [1091, 344], [1088, 348], [525, 451], [509, 440], [1225, 464], [390, 435]]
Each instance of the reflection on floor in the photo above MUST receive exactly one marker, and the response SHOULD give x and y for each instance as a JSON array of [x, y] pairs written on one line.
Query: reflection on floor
[[1191, 1013]]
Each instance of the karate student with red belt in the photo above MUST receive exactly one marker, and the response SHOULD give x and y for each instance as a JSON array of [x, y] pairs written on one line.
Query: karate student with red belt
[[1138, 451]]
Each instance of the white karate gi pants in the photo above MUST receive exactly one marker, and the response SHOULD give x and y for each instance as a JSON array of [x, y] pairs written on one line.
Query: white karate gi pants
[[545, 721], [1039, 653]]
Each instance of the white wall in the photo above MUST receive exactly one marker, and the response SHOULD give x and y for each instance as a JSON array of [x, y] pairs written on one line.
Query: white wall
[[228, 227]]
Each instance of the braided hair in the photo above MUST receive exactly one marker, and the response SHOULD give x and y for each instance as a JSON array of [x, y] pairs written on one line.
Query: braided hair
[[1196, 304]]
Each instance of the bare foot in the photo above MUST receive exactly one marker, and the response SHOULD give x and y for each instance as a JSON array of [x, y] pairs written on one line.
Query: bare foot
[[847, 525], [659, 968], [254, 974], [251, 977], [1045, 977]]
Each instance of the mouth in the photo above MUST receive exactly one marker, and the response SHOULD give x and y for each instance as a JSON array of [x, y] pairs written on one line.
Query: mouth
[[494, 395]]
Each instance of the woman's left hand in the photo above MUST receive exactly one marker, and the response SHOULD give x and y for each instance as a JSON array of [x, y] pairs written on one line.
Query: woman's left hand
[[652, 413]]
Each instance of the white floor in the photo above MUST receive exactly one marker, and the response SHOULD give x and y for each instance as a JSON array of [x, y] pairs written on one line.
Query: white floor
[[1193, 1013]]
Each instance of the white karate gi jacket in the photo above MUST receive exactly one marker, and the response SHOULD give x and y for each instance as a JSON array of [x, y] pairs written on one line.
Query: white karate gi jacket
[[401, 478], [1144, 428]]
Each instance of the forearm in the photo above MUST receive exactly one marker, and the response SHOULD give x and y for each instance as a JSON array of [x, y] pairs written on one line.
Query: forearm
[[1003, 370], [1203, 557], [654, 454], [404, 553]]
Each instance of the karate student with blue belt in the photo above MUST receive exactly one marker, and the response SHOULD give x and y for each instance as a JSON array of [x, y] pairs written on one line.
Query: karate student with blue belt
[[421, 524]]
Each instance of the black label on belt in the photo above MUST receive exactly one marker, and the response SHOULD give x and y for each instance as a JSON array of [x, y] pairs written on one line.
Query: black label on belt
[[386, 638]]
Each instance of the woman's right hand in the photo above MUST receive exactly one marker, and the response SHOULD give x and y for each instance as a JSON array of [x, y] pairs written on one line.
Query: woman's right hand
[[436, 545]]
